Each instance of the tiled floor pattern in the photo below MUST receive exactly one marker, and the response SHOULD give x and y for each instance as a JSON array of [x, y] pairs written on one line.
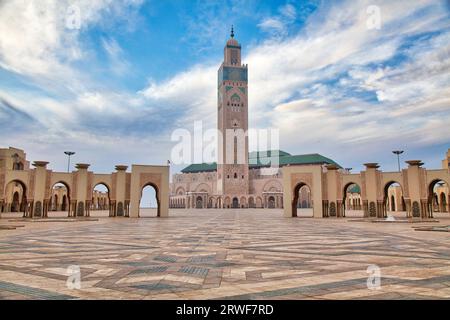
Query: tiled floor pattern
[[229, 254]]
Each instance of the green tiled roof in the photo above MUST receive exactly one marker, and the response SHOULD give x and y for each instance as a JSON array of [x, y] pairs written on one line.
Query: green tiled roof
[[354, 189], [313, 158], [263, 154], [262, 159], [200, 167]]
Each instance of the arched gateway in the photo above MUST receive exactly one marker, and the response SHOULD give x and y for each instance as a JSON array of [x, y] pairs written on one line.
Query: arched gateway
[[412, 193], [36, 191]]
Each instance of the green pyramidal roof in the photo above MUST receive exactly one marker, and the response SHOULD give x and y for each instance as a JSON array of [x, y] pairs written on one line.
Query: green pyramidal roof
[[262, 159], [354, 189]]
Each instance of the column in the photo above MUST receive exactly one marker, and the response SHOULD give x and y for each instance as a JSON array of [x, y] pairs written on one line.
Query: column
[[38, 194], [371, 185], [81, 192], [419, 205]]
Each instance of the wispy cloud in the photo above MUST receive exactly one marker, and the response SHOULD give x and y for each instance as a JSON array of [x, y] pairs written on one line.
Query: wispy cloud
[[119, 65]]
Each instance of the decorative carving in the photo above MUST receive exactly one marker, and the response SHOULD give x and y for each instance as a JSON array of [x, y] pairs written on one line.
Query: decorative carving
[[80, 209], [153, 178], [306, 178], [48, 191], [273, 186], [30, 190], [415, 210], [120, 209], [332, 209], [89, 186], [372, 209], [38, 209]]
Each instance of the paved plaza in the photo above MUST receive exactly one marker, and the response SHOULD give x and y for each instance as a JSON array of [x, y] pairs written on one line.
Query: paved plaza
[[222, 254]]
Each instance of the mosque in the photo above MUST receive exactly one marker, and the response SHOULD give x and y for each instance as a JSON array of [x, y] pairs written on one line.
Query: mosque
[[237, 185]]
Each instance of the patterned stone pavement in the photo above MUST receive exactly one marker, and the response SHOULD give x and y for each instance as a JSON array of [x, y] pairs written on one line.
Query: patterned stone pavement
[[222, 254]]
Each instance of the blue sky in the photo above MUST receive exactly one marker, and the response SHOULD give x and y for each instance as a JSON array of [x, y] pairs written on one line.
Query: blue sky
[[114, 89]]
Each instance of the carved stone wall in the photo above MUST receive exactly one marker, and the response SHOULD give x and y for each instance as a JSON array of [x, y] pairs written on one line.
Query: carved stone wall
[[153, 178], [30, 191], [306, 178]]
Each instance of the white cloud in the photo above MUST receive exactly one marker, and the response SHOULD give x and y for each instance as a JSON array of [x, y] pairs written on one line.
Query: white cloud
[[277, 26], [288, 11], [273, 26], [119, 65], [35, 38]]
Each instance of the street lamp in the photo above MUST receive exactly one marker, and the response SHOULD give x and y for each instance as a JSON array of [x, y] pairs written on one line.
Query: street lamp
[[398, 153], [69, 154]]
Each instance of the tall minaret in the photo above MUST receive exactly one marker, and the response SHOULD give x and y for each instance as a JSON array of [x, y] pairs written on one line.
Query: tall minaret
[[232, 169]]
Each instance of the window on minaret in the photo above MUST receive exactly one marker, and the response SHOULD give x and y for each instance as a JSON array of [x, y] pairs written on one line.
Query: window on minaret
[[235, 175], [234, 57], [235, 150]]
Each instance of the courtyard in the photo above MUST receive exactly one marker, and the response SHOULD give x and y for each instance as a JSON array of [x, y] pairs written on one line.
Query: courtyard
[[221, 254]]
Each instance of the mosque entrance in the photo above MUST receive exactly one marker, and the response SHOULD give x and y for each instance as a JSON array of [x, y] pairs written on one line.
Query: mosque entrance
[[235, 203]]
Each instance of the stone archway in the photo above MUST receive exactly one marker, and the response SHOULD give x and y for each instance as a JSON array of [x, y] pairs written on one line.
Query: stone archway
[[437, 197], [296, 197], [15, 195], [15, 204], [156, 176], [271, 202], [101, 201], [393, 198], [62, 189], [153, 200], [259, 203], [199, 202], [235, 203], [351, 201], [243, 202], [251, 202]]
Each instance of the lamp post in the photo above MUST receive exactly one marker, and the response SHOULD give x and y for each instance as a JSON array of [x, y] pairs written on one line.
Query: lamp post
[[398, 153], [69, 154]]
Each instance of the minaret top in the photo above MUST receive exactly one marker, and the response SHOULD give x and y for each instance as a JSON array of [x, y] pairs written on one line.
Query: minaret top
[[232, 51], [232, 41]]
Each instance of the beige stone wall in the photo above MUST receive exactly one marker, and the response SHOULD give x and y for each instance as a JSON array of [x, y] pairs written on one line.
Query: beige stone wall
[[413, 190], [13, 159], [36, 189], [294, 177], [156, 176], [265, 190]]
